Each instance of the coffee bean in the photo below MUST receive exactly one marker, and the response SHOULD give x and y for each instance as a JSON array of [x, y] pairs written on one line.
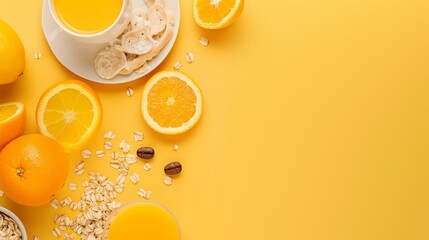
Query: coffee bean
[[173, 168], [145, 152]]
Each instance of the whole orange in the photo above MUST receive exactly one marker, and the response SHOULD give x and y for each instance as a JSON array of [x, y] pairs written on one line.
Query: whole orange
[[33, 168], [12, 54]]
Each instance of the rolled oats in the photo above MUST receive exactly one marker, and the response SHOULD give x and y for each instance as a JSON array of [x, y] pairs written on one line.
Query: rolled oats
[[138, 136], [99, 153], [175, 147], [66, 201], [147, 166], [177, 65], [108, 145], [79, 167], [56, 232], [130, 92], [167, 180], [204, 41], [9, 228], [114, 155], [109, 135], [131, 158], [55, 203], [85, 154], [38, 56], [124, 146], [134, 178], [73, 186], [189, 57], [144, 193]]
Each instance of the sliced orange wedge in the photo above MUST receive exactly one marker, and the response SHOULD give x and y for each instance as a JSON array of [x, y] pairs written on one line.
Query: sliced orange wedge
[[12, 121], [69, 112], [171, 102], [216, 14]]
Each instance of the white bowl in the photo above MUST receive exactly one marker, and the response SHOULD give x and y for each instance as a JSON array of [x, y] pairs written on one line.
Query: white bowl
[[17, 220]]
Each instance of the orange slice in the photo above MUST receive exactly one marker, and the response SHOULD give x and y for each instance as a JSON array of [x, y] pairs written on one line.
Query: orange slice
[[216, 14], [12, 121], [171, 102], [69, 112]]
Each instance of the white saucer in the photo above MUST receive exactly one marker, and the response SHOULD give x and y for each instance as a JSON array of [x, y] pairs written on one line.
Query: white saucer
[[78, 57]]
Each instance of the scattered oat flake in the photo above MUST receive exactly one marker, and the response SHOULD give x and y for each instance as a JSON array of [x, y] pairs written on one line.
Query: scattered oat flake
[[204, 41], [126, 149], [114, 155], [135, 178], [85, 154], [79, 167], [144, 194], [114, 164], [147, 166], [73, 186], [99, 153], [189, 57], [177, 65], [1, 193], [66, 201], [175, 147], [35, 238], [138, 136], [121, 179], [109, 135], [108, 145], [55, 203], [130, 92], [37, 56], [56, 232], [167, 180], [131, 158]]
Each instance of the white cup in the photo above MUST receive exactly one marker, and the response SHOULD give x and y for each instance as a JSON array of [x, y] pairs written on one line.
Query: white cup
[[104, 36]]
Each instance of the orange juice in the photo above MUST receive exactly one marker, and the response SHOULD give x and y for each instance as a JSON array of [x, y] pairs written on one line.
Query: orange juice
[[87, 16], [143, 220]]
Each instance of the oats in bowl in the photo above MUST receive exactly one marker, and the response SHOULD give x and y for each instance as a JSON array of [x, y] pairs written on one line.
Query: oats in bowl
[[11, 226]]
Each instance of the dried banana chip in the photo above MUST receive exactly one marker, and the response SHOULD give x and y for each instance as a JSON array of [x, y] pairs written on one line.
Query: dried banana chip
[[139, 18], [136, 42], [161, 42], [170, 17], [138, 62], [132, 65], [109, 62], [158, 18]]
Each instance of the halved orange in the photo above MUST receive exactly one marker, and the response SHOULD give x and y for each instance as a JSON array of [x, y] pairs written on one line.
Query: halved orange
[[12, 121], [69, 112], [171, 102], [216, 14]]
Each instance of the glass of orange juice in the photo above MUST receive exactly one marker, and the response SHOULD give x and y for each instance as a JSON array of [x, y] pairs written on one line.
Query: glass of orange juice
[[142, 219], [91, 21]]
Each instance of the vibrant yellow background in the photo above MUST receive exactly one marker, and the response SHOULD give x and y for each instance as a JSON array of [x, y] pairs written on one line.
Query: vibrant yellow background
[[316, 122]]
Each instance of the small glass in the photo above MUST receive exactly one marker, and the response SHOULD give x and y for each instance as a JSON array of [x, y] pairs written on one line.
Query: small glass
[[142, 219]]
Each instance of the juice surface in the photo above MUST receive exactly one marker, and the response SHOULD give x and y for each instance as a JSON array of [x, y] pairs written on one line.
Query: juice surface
[[143, 220], [87, 17]]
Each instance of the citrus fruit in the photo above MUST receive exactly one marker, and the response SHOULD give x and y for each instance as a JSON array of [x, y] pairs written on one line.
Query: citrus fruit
[[69, 112], [12, 54], [216, 14], [171, 102], [12, 120], [33, 168]]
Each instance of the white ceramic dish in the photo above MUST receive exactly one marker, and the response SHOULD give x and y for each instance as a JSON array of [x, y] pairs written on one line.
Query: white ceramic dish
[[78, 57], [17, 220]]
